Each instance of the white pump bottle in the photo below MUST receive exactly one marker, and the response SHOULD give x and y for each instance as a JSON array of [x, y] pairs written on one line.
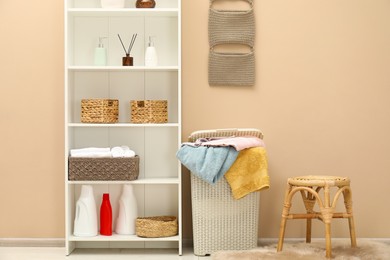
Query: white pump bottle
[[151, 59], [100, 53]]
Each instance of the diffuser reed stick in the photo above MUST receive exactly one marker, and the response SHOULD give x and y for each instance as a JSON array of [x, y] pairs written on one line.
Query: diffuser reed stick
[[133, 38], [122, 43], [132, 42]]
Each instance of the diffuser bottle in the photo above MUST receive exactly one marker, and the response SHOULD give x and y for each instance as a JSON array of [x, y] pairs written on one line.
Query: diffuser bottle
[[125, 224], [85, 222], [100, 53], [151, 58], [106, 216]]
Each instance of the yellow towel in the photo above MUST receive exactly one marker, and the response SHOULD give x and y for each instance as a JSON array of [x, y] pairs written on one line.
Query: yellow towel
[[249, 172]]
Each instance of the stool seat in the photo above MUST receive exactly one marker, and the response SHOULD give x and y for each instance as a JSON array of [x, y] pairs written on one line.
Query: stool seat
[[319, 181], [309, 187]]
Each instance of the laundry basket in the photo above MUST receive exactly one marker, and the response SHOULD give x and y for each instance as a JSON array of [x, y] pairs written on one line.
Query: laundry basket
[[219, 221]]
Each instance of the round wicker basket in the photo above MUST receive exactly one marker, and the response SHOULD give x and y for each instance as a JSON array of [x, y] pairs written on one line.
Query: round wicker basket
[[159, 226]]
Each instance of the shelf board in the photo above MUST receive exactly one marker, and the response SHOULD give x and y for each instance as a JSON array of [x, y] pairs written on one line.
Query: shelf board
[[139, 181], [122, 68], [116, 237], [123, 12], [123, 125]]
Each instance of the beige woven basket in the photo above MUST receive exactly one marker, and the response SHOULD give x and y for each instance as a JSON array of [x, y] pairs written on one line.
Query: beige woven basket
[[231, 69], [149, 111], [160, 226], [231, 26], [219, 221], [103, 169], [99, 110]]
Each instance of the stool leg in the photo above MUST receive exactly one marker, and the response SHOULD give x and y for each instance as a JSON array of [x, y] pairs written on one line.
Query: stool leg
[[328, 240], [352, 231], [285, 213], [327, 214], [309, 202], [308, 230], [348, 205]]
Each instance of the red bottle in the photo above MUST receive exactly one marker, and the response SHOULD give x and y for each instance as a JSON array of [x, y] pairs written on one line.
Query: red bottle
[[106, 216]]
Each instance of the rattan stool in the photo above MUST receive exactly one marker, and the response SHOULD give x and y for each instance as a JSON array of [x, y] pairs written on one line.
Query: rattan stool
[[309, 187]]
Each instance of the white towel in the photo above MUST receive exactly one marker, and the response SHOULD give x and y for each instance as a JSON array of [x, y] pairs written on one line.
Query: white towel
[[91, 152], [125, 148], [129, 153], [117, 152], [121, 152]]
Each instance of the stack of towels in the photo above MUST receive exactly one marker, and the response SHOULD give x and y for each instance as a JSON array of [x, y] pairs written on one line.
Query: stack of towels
[[93, 152]]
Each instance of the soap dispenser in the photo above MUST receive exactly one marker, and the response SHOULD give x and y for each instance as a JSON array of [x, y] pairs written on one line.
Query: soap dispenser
[[151, 59], [101, 53]]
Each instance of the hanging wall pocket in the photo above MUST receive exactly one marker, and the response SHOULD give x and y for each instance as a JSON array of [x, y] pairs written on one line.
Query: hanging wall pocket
[[231, 27], [231, 69], [227, 26]]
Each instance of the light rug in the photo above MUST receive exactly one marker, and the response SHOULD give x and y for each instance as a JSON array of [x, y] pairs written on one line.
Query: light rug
[[341, 250]]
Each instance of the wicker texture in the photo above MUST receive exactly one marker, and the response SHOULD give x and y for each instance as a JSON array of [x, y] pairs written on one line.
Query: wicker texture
[[309, 187], [320, 181], [231, 69], [231, 27], [99, 110], [149, 111], [159, 226], [219, 221], [103, 169]]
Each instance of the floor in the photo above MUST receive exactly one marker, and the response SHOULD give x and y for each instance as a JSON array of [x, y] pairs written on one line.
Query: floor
[[58, 253]]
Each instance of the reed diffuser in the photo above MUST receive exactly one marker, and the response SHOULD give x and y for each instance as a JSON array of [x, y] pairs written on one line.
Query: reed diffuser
[[128, 60]]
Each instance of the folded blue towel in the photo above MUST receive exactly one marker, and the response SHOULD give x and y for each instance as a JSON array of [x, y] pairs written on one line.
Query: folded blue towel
[[208, 163]]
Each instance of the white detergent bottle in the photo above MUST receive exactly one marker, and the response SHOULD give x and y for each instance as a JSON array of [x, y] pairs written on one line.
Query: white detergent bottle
[[85, 222], [125, 224], [151, 59]]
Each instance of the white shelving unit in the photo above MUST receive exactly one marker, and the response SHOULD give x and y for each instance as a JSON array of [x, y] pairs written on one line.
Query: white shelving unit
[[158, 187]]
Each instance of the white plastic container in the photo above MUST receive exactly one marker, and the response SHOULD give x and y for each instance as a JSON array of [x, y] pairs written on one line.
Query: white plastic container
[[112, 3], [85, 222], [128, 212]]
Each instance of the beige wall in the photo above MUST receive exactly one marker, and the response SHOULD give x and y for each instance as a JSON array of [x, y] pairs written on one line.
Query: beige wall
[[32, 121], [321, 99]]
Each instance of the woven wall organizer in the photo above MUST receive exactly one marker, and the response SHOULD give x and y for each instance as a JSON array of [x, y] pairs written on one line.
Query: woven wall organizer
[[231, 27]]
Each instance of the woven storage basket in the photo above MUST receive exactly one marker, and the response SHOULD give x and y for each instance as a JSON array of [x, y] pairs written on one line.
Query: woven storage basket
[[103, 169], [99, 110], [230, 26], [231, 69], [160, 226], [149, 111], [219, 221]]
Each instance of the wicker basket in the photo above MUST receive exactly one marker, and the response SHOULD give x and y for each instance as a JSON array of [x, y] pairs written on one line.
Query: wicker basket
[[103, 169], [219, 221], [161, 226], [99, 110], [149, 111]]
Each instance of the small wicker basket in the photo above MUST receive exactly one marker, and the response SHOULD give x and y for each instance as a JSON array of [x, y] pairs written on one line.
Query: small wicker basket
[[103, 169], [160, 226], [99, 110], [149, 111]]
